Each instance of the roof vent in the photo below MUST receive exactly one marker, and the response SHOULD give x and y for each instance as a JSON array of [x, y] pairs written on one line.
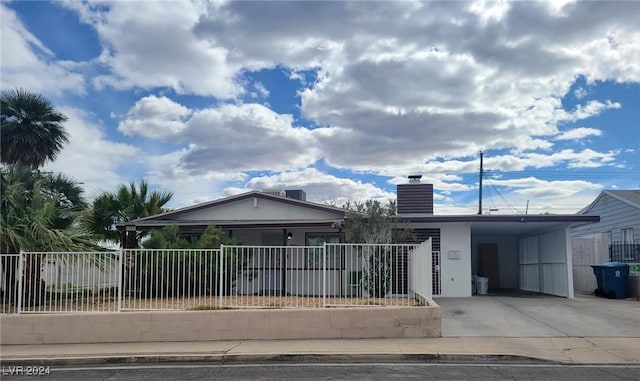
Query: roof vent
[[274, 192], [414, 179]]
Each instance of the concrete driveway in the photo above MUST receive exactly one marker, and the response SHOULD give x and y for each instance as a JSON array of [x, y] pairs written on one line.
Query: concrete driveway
[[536, 315]]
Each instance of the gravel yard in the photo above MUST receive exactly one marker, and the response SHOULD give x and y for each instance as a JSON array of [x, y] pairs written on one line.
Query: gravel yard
[[106, 304]]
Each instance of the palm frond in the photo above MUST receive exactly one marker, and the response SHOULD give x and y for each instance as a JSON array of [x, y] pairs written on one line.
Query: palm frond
[[31, 128]]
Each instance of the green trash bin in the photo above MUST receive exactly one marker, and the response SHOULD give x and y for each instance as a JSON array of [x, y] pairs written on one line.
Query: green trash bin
[[612, 279]]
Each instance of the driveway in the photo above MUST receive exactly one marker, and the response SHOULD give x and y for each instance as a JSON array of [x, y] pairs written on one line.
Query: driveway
[[536, 315]]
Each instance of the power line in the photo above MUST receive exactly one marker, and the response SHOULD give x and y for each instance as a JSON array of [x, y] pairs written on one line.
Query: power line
[[621, 174], [507, 203]]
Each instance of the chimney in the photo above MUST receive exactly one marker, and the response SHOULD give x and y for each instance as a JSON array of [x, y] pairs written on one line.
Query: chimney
[[415, 197]]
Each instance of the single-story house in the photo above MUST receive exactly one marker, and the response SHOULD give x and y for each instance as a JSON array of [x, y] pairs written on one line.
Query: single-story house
[[527, 252]]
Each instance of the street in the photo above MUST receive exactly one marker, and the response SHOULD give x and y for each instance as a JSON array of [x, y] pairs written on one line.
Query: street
[[374, 371]]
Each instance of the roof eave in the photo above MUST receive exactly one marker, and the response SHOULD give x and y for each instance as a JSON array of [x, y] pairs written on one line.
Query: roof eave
[[238, 197]]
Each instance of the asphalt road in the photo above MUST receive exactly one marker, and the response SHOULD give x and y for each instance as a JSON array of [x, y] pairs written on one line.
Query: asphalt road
[[342, 372]]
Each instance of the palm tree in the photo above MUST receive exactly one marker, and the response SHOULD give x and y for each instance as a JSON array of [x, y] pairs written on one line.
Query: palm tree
[[31, 129], [33, 219], [127, 203], [68, 194]]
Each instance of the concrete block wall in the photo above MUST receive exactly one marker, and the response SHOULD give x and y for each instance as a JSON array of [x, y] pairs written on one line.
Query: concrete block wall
[[158, 326]]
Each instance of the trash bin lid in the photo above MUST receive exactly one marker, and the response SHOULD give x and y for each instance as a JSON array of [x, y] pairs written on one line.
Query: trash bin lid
[[610, 264]]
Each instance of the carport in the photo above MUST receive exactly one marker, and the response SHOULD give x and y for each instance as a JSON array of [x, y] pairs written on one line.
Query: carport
[[525, 252], [515, 252]]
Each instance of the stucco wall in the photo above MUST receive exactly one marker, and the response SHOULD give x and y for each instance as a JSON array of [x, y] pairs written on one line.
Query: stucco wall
[[455, 267], [456, 273], [221, 325], [256, 208]]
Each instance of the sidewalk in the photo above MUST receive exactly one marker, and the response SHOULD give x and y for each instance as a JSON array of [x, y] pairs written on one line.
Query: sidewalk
[[564, 350]]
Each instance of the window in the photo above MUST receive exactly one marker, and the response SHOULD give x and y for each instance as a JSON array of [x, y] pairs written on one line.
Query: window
[[314, 256], [627, 235]]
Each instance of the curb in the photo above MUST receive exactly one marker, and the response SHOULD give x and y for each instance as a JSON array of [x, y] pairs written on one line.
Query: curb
[[226, 359]]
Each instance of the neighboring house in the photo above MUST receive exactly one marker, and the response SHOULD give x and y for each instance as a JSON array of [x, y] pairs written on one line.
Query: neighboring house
[[615, 237], [619, 212], [528, 252]]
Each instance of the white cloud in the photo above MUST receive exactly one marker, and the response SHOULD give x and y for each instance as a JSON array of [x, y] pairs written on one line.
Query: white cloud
[[188, 188], [28, 64], [537, 196], [261, 90], [592, 108], [586, 158], [534, 187], [228, 138], [578, 133], [423, 94], [580, 92], [321, 187], [147, 45], [489, 78], [90, 156], [155, 117]]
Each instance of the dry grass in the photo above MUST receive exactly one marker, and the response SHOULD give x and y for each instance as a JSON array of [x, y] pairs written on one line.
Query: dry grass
[[106, 304]]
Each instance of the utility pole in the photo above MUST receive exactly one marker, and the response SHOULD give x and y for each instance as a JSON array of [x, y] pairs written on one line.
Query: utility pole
[[480, 190]]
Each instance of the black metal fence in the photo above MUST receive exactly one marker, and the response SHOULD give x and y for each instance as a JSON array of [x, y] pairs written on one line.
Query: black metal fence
[[625, 252]]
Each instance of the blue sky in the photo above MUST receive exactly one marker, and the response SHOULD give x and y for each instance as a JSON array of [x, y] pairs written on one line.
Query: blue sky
[[341, 99]]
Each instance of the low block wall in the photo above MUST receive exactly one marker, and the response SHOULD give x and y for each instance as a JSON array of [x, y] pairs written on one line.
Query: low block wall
[[221, 325]]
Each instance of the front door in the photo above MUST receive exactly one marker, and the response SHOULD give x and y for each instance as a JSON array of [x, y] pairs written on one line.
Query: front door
[[488, 264], [273, 262]]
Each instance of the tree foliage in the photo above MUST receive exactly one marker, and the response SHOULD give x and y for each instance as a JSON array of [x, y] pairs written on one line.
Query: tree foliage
[[169, 238], [37, 217], [31, 129], [372, 222], [128, 202], [38, 211], [182, 266]]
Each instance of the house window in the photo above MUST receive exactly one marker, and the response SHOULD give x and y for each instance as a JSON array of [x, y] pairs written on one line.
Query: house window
[[314, 256], [627, 235]]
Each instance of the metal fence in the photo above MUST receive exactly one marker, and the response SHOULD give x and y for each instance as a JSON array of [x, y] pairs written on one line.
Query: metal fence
[[9, 282], [229, 277], [625, 252], [435, 275], [169, 279]]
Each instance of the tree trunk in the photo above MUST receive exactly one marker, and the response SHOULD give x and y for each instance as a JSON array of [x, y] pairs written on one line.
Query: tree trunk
[[33, 287]]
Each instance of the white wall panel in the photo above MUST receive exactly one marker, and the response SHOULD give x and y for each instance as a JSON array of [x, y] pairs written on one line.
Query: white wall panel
[[543, 263]]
